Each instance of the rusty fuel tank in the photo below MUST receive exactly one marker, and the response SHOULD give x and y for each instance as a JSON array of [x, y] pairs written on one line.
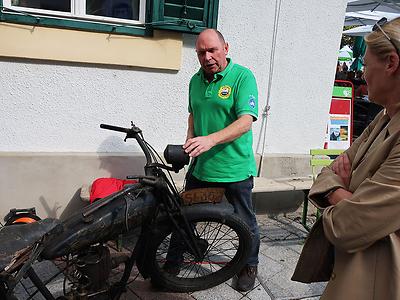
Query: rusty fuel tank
[[102, 221]]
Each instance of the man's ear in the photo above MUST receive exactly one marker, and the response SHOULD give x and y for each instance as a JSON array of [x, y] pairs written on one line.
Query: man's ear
[[226, 48], [393, 63]]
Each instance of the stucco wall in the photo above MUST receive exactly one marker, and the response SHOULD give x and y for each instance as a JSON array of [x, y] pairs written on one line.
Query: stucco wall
[[48, 106], [309, 35]]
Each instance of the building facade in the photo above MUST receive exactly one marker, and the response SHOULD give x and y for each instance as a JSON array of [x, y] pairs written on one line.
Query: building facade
[[59, 83]]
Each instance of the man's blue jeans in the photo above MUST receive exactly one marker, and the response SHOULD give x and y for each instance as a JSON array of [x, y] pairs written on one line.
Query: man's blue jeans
[[239, 195]]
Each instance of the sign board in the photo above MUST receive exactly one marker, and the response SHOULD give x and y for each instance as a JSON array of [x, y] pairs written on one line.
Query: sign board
[[339, 127]]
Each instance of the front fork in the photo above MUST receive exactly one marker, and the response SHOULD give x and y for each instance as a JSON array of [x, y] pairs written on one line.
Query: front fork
[[187, 234], [175, 212], [27, 271], [180, 224], [7, 292], [39, 284]]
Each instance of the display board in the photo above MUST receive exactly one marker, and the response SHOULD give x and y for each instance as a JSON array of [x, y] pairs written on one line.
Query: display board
[[339, 129]]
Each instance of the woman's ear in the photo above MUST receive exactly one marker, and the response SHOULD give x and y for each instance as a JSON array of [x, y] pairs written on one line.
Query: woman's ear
[[393, 62]]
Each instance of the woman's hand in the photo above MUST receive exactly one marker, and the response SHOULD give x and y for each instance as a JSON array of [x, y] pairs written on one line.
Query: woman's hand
[[338, 195], [342, 167]]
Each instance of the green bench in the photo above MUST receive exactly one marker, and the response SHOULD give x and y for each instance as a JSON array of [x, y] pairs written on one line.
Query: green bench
[[319, 158]]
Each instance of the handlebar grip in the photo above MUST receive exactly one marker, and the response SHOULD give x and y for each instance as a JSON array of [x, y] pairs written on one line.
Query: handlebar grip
[[147, 181], [114, 128]]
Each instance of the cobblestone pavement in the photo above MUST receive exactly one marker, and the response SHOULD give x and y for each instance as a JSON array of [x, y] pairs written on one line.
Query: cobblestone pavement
[[282, 238]]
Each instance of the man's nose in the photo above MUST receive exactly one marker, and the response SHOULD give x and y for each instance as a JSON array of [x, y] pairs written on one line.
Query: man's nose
[[208, 56]]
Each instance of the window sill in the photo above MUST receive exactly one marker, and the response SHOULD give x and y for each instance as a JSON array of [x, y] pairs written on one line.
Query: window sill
[[161, 51]]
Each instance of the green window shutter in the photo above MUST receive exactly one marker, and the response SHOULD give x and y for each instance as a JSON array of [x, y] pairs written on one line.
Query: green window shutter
[[190, 16]]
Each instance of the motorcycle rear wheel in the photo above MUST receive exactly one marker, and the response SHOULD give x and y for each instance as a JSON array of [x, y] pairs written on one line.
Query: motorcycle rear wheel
[[225, 242]]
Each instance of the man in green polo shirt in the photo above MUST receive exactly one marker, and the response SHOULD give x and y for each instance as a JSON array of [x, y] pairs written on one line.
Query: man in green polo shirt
[[223, 103]]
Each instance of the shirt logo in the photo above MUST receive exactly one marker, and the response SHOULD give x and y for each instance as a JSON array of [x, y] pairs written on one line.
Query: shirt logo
[[252, 101], [224, 91]]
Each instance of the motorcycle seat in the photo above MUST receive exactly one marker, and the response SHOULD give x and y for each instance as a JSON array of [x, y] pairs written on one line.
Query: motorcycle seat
[[17, 237]]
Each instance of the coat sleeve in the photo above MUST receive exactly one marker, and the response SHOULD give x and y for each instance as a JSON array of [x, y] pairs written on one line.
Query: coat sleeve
[[373, 211], [327, 179]]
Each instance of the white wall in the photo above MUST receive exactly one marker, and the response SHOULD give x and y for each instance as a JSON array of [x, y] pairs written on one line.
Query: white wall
[[301, 93], [57, 107]]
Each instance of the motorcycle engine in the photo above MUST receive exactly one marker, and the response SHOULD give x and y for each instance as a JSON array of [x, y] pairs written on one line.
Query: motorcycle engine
[[90, 273]]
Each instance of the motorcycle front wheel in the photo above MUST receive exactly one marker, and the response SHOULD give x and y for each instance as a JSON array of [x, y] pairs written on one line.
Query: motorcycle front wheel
[[224, 241]]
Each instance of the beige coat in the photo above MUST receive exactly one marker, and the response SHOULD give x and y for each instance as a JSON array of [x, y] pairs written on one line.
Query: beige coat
[[365, 229]]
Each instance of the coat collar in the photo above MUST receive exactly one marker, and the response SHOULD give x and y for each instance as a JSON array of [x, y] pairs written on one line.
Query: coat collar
[[376, 130], [394, 123], [391, 126]]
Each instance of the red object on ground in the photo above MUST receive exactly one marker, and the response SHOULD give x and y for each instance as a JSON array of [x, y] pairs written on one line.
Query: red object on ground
[[102, 187], [24, 220]]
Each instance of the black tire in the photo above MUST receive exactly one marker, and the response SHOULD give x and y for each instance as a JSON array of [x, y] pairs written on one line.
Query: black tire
[[226, 242]]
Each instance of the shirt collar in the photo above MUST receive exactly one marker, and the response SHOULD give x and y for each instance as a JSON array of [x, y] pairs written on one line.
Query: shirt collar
[[226, 70], [221, 74]]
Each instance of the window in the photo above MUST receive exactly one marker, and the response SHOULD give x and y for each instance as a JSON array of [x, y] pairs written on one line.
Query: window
[[190, 16], [132, 17], [117, 11], [64, 6]]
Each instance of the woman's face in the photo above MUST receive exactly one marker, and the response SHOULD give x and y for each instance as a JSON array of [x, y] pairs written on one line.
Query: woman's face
[[375, 76]]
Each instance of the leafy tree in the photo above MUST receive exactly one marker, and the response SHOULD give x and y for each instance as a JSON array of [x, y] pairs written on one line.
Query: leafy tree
[[346, 39]]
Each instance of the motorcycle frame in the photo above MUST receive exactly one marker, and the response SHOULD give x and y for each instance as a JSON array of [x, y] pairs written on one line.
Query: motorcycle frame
[[168, 201]]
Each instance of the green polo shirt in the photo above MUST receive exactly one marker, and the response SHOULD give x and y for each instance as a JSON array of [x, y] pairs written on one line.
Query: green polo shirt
[[214, 106]]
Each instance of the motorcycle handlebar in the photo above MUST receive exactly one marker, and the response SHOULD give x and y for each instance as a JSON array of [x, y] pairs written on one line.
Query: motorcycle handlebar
[[114, 128], [132, 133]]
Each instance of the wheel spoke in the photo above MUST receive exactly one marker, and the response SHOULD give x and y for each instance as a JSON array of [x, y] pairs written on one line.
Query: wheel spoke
[[218, 242], [217, 255]]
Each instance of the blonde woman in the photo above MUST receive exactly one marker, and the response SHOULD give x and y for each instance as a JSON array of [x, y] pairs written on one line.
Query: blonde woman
[[356, 243]]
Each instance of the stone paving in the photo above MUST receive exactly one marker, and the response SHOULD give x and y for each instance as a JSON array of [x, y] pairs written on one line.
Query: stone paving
[[282, 238]]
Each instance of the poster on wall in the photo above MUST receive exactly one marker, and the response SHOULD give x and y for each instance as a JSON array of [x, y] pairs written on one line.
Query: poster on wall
[[339, 126], [338, 131]]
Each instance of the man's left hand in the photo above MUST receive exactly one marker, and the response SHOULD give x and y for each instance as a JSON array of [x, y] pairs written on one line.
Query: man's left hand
[[197, 145]]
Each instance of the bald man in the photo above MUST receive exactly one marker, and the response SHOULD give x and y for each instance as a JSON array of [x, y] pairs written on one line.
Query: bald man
[[223, 104]]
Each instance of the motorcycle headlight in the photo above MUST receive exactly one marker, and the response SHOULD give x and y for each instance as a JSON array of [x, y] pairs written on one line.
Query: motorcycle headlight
[[176, 156]]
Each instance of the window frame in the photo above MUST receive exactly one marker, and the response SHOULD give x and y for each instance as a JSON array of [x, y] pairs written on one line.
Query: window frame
[[78, 12], [149, 10], [29, 10], [57, 19], [187, 25]]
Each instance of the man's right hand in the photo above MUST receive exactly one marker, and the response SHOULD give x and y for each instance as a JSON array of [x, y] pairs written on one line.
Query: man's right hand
[[197, 145]]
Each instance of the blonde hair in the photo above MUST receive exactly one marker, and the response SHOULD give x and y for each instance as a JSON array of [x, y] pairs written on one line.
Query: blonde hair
[[378, 43]]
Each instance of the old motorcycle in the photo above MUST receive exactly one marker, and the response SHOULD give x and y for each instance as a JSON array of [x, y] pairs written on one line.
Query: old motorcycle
[[212, 241]]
